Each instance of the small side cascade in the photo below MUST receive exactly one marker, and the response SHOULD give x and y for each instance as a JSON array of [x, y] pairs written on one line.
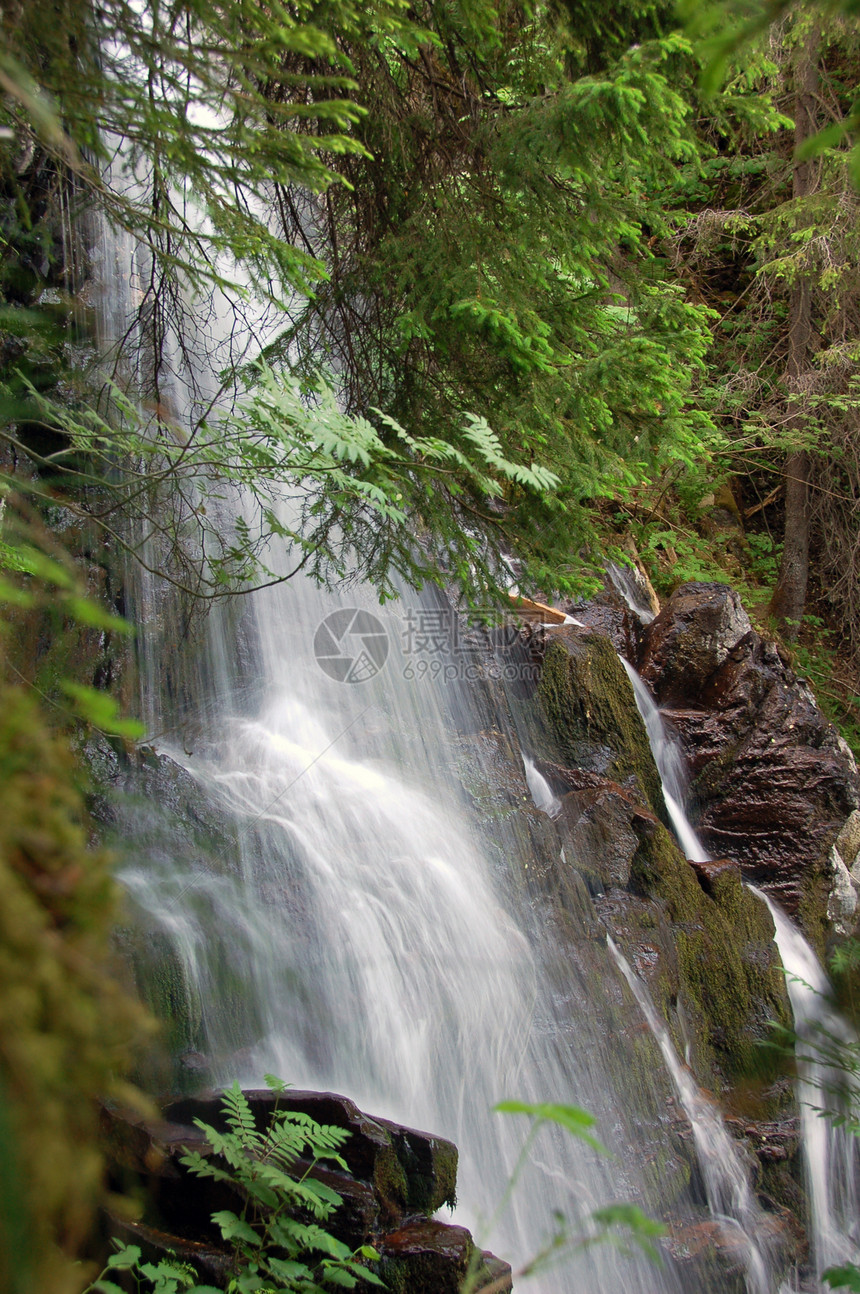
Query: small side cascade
[[625, 583], [541, 791], [829, 1149], [670, 766], [730, 1198]]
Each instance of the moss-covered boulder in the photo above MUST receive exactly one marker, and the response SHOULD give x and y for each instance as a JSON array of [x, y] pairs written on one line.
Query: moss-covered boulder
[[386, 1176], [727, 975], [590, 712], [426, 1257]]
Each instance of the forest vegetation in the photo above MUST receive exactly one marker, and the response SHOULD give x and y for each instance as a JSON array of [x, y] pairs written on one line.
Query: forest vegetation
[[538, 283]]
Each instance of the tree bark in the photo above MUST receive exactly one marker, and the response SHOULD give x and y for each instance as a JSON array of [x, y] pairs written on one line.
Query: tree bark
[[789, 597]]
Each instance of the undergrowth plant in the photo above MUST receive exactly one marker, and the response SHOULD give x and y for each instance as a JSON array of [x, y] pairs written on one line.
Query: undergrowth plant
[[279, 1239], [622, 1224]]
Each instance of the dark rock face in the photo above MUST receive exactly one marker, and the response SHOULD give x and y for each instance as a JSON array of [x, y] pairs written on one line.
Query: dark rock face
[[397, 1176], [609, 614], [426, 1257], [774, 781], [690, 639], [701, 941]]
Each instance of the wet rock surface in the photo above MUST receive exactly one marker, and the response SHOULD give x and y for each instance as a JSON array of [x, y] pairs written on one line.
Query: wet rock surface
[[590, 711], [773, 780], [397, 1176], [427, 1257], [701, 941]]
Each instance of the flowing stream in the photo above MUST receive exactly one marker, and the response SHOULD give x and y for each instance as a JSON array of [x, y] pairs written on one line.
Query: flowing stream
[[670, 765], [724, 1171], [824, 1043], [725, 1174]]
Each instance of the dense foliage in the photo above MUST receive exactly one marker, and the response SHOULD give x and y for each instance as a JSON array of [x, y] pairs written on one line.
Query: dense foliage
[[464, 247], [488, 290]]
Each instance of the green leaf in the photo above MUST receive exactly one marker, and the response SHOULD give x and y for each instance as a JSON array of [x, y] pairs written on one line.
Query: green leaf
[[101, 710], [15, 596], [340, 1276], [570, 1117], [88, 612], [125, 1258], [845, 1278], [235, 1228], [818, 143], [365, 1274], [288, 1270]]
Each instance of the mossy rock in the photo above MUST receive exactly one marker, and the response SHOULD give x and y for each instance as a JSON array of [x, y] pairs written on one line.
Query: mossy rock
[[812, 908], [590, 710], [428, 1257], [729, 976]]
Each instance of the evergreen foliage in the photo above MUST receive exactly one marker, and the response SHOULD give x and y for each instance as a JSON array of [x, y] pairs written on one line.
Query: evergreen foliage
[[464, 202]]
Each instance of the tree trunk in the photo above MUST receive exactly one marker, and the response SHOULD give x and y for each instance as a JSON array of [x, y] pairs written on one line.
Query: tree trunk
[[789, 597]]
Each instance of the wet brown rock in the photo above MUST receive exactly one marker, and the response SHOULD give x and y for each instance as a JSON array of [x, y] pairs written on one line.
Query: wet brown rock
[[773, 780], [595, 828], [775, 1141], [608, 614], [369, 1151], [426, 1257], [398, 1172], [693, 635]]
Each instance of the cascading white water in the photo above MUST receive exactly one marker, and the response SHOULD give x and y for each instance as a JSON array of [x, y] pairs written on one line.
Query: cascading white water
[[542, 793], [626, 583], [724, 1173], [362, 940], [352, 931], [829, 1148], [670, 765], [726, 1176]]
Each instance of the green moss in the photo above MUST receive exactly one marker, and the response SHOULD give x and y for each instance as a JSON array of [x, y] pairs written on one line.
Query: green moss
[[426, 1272], [389, 1180], [446, 1164], [66, 1024], [812, 906], [728, 974], [590, 710], [169, 995]]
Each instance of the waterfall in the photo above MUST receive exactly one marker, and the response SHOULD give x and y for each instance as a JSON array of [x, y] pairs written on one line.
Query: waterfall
[[362, 935], [829, 1148], [542, 793], [670, 765], [312, 899], [320, 904], [724, 1173], [625, 583]]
